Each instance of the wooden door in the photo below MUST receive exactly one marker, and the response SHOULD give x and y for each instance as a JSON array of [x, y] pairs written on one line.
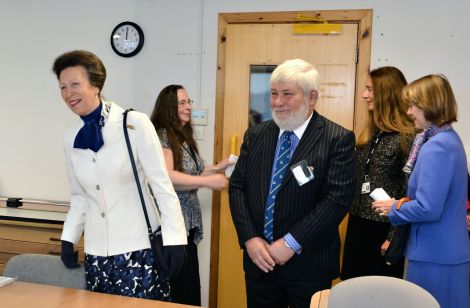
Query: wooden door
[[334, 56]]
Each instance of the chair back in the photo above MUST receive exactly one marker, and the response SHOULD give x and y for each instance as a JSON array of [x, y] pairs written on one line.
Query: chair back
[[46, 270], [379, 291]]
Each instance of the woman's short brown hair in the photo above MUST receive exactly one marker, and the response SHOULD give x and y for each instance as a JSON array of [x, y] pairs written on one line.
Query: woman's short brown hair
[[92, 64], [433, 94]]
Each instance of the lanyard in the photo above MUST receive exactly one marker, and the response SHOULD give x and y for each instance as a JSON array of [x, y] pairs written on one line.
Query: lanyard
[[193, 156], [372, 148]]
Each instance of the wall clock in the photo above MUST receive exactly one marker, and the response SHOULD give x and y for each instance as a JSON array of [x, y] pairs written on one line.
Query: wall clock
[[127, 39]]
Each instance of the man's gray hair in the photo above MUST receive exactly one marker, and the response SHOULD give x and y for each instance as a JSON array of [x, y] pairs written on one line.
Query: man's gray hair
[[298, 71]]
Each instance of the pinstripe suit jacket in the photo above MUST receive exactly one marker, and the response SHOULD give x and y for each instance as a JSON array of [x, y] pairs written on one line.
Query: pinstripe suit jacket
[[312, 212]]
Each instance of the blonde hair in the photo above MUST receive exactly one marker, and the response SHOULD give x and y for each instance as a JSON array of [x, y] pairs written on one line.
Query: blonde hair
[[389, 112], [433, 94]]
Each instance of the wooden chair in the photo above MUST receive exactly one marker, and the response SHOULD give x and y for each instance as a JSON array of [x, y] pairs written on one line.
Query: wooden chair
[[320, 299], [45, 269]]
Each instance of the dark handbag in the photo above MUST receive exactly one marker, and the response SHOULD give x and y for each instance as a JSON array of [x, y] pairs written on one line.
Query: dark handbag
[[394, 253], [156, 240], [156, 243]]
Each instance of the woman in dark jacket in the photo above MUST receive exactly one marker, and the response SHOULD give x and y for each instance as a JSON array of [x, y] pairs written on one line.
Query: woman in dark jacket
[[382, 150]]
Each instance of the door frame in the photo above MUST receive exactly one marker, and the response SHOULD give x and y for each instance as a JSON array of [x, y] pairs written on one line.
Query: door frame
[[363, 18]]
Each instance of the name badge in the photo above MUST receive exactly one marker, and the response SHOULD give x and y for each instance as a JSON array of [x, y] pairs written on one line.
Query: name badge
[[365, 189], [302, 172]]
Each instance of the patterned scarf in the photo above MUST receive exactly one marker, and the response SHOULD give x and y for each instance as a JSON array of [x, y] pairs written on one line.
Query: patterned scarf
[[90, 136], [420, 139]]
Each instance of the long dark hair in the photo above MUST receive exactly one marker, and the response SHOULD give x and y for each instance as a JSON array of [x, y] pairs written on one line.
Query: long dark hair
[[165, 115]]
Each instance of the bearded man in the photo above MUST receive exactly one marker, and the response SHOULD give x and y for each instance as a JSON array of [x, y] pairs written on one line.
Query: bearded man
[[291, 188]]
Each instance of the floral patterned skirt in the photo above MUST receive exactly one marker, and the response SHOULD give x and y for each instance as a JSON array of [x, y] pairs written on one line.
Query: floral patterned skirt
[[131, 274]]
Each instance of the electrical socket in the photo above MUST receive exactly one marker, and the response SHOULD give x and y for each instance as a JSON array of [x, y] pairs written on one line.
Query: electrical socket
[[199, 132]]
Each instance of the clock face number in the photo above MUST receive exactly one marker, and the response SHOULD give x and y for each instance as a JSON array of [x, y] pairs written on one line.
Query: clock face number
[[127, 39]]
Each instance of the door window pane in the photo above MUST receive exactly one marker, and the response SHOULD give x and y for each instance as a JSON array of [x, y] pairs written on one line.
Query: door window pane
[[260, 92]]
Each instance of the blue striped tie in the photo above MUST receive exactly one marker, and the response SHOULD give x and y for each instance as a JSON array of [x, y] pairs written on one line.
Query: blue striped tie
[[282, 161]]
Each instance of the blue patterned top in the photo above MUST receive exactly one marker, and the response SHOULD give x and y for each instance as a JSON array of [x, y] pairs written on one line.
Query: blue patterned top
[[189, 201]]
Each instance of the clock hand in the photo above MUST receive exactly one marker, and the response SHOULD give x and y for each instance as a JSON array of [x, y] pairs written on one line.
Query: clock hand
[[127, 30]]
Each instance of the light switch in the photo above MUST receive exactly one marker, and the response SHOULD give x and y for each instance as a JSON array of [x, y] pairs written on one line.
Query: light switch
[[199, 132]]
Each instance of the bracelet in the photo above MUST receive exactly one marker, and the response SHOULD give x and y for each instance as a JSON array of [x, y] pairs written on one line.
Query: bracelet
[[400, 202]]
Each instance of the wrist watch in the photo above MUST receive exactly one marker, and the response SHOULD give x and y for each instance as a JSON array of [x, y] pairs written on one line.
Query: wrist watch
[[287, 244]]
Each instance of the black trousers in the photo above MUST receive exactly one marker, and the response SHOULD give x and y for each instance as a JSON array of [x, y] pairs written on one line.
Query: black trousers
[[186, 286], [272, 290], [362, 255]]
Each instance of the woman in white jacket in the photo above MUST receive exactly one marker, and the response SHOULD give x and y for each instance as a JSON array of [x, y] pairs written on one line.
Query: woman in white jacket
[[104, 201]]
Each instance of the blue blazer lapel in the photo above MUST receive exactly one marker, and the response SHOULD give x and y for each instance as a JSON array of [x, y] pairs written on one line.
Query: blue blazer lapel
[[309, 139]]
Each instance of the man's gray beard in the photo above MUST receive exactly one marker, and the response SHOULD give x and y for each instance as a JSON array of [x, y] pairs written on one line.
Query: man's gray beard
[[294, 120]]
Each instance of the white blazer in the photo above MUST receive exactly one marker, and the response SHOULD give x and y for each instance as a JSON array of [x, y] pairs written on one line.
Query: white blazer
[[104, 201]]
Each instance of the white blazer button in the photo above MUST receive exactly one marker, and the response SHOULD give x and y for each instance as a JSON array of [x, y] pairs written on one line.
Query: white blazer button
[[103, 215], [94, 160]]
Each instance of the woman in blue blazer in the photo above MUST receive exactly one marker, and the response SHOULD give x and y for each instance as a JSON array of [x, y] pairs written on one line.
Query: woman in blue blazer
[[438, 248]]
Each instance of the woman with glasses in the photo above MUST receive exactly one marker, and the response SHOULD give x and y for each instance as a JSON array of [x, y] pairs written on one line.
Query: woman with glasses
[[188, 172]]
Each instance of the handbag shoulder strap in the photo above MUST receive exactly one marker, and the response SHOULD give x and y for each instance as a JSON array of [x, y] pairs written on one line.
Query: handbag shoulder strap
[[134, 169]]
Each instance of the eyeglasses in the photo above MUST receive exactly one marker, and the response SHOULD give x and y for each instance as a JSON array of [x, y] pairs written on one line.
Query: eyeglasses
[[184, 102]]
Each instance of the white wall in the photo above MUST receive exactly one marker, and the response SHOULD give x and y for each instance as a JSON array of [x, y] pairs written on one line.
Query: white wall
[[33, 115], [419, 37]]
